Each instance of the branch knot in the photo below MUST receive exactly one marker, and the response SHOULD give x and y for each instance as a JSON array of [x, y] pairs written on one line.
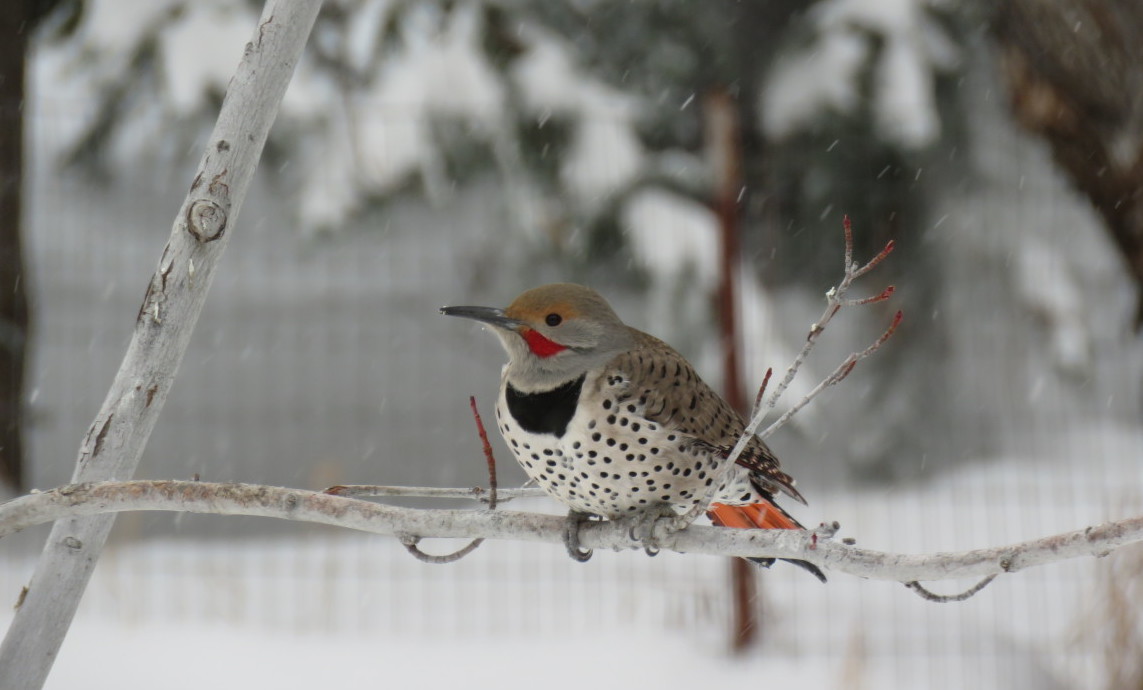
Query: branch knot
[[206, 220]]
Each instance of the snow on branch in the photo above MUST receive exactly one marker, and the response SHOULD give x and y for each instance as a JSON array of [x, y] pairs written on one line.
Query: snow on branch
[[815, 546]]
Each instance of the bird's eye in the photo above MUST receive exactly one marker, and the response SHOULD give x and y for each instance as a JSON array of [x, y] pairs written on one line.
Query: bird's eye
[[553, 319]]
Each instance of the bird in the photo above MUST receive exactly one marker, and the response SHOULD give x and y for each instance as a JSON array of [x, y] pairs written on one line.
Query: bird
[[616, 424]]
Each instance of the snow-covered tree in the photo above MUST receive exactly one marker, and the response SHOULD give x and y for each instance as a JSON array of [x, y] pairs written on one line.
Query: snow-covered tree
[[587, 116], [577, 106]]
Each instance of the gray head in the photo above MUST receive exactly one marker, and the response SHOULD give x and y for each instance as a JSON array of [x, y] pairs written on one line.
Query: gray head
[[553, 333]]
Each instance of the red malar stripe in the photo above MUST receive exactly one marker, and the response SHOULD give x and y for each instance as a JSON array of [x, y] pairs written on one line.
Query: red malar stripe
[[541, 346]]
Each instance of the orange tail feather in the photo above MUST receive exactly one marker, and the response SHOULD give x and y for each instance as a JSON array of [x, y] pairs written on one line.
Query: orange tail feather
[[756, 515], [765, 515]]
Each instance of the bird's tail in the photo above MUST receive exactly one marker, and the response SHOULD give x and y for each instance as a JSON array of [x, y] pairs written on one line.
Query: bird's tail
[[764, 515]]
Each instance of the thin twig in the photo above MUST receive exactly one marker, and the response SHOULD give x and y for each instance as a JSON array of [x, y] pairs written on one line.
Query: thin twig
[[885, 294], [835, 300], [834, 378], [477, 493], [929, 595], [487, 453], [761, 391], [886, 251], [847, 229]]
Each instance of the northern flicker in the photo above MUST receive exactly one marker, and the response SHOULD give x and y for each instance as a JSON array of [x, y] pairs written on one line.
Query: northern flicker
[[613, 422]]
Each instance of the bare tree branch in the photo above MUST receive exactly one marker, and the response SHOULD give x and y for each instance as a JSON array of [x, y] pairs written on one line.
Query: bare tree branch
[[815, 546], [835, 301], [837, 376], [174, 298]]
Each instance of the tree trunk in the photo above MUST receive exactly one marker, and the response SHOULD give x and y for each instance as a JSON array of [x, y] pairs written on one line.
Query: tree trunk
[[15, 24], [724, 146], [1075, 75]]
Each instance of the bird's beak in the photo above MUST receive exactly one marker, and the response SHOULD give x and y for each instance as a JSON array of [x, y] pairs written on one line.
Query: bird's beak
[[488, 315]]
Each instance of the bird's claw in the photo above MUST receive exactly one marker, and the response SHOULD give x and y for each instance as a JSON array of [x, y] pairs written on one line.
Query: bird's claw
[[571, 536], [642, 529]]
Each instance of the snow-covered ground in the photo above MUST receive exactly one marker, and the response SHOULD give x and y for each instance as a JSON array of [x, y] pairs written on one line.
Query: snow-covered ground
[[194, 657], [322, 607]]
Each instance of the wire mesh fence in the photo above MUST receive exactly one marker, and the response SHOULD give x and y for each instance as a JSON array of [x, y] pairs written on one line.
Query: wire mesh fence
[[319, 361]]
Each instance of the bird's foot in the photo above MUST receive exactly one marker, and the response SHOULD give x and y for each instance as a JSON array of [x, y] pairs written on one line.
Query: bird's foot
[[571, 535], [642, 527]]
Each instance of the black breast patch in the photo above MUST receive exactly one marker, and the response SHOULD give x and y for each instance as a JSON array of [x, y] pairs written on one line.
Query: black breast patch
[[546, 412]]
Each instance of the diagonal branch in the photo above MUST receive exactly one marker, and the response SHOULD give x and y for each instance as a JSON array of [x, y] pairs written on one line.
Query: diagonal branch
[[835, 301], [837, 376], [166, 319]]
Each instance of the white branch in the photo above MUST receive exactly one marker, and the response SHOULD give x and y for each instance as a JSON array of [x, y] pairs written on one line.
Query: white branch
[[78, 500], [175, 296]]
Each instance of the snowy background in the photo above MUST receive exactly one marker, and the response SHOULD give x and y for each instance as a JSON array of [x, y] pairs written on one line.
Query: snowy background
[[428, 169]]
